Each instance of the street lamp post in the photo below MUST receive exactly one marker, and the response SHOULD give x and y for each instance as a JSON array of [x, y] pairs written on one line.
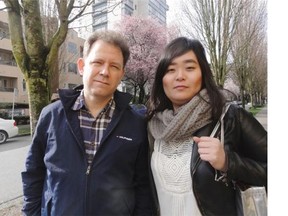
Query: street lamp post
[[15, 93]]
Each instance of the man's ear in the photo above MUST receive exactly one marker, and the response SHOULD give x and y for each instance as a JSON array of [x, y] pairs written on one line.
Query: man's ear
[[80, 66]]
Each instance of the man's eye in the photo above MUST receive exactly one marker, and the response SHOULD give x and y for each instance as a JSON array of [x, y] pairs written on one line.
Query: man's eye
[[96, 63], [116, 67]]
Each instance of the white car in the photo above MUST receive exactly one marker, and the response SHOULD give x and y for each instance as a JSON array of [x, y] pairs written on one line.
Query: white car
[[8, 129]]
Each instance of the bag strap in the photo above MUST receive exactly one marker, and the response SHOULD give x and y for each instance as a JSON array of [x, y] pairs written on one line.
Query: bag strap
[[220, 176], [220, 121]]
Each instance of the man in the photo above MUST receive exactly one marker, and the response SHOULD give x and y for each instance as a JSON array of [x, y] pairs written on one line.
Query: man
[[89, 153]]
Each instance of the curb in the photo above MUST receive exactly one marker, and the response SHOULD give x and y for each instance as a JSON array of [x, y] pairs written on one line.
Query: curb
[[12, 207], [20, 135]]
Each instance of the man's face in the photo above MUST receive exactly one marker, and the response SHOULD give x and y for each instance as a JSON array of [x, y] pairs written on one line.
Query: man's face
[[102, 70]]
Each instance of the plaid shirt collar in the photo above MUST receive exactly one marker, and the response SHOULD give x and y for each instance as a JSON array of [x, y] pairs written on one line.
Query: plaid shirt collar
[[80, 104]]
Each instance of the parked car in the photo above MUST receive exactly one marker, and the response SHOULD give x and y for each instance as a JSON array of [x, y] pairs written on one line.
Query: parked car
[[8, 129], [239, 102]]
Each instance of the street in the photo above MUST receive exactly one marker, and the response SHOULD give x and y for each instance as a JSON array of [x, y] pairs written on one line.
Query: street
[[12, 159]]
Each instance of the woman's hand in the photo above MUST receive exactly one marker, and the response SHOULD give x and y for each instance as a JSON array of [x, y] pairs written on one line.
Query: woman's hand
[[212, 150]]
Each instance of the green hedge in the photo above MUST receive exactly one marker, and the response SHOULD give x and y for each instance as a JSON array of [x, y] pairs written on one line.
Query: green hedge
[[22, 120]]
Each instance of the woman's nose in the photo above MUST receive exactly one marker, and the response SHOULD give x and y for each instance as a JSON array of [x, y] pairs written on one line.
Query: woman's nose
[[180, 74]]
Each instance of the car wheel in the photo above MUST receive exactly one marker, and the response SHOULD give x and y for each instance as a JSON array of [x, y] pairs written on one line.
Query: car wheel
[[3, 137]]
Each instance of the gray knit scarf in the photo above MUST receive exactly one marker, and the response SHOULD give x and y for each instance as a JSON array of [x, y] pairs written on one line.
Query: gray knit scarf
[[190, 117]]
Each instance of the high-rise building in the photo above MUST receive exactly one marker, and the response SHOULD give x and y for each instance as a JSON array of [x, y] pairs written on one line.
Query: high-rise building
[[105, 13]]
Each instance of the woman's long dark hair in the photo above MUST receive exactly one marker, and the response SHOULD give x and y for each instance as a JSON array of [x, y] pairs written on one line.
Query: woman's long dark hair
[[158, 100]]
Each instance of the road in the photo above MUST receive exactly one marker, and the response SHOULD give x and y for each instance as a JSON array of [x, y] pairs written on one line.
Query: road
[[12, 159]]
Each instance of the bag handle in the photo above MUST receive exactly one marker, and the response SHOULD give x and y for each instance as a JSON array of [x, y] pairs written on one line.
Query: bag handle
[[220, 176], [220, 121]]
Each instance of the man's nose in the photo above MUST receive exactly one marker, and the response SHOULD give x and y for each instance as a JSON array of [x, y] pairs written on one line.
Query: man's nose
[[104, 71]]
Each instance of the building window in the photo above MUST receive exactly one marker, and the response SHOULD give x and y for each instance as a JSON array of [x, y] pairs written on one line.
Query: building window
[[100, 6], [72, 48], [81, 51], [4, 30], [127, 11], [71, 85], [7, 58], [100, 18], [24, 84], [7, 84], [101, 26], [72, 67]]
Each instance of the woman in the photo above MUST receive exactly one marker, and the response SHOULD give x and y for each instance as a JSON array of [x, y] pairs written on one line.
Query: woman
[[193, 172]]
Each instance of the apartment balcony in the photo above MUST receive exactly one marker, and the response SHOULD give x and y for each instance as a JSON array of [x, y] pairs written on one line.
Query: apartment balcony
[[5, 89], [9, 69], [6, 44], [12, 78]]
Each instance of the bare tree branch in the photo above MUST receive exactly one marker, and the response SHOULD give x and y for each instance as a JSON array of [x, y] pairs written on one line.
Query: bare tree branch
[[213, 23]]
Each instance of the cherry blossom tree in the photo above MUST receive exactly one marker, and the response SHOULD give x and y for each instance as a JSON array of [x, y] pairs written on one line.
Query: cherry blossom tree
[[146, 39]]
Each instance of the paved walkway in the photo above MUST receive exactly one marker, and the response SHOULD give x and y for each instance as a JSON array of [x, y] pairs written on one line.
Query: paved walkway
[[261, 116]]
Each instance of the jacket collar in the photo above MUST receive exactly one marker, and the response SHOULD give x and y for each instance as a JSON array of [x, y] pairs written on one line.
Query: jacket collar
[[69, 96]]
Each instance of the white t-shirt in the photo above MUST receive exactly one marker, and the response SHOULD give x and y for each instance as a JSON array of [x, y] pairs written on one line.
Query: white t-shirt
[[170, 165]]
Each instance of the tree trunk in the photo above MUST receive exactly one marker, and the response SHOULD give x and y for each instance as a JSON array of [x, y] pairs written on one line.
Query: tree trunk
[[54, 79], [252, 99], [134, 96], [38, 98], [141, 94], [242, 97]]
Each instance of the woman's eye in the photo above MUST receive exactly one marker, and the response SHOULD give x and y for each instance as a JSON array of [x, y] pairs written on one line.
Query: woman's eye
[[190, 68], [170, 70]]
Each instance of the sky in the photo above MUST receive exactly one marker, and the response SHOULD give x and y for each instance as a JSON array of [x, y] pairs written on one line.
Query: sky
[[173, 8]]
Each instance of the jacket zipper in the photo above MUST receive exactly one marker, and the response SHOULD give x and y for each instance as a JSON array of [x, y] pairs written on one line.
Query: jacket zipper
[[196, 165], [88, 169]]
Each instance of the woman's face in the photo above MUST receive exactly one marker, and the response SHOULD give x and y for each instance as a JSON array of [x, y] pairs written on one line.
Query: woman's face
[[183, 79]]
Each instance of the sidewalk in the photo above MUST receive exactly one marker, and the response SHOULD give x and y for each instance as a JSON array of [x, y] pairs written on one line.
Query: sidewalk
[[261, 116], [12, 208]]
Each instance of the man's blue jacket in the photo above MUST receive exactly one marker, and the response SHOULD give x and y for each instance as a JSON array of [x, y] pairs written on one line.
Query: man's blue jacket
[[56, 181]]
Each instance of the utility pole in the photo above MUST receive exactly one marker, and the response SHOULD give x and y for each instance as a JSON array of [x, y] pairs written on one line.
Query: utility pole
[[15, 93]]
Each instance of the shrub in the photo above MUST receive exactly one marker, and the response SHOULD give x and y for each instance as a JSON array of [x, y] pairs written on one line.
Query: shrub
[[22, 120]]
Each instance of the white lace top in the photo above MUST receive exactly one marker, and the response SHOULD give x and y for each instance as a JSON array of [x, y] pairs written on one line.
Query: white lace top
[[170, 165]]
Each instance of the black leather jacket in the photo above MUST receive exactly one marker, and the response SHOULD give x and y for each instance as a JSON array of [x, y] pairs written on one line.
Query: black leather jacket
[[245, 142]]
